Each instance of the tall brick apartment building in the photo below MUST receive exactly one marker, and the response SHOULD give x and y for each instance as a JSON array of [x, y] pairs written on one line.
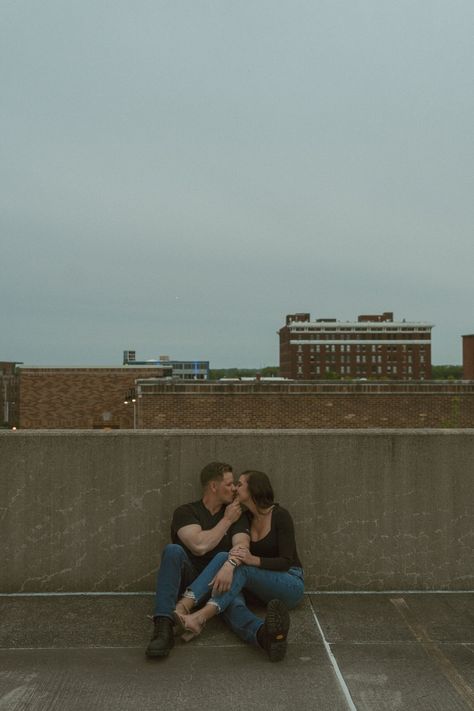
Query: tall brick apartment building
[[374, 346]]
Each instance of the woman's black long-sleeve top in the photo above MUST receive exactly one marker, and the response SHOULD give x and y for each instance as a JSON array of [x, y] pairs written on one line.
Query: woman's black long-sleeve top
[[277, 550]]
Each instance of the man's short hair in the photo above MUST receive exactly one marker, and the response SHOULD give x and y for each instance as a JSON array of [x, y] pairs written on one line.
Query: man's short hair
[[213, 471]]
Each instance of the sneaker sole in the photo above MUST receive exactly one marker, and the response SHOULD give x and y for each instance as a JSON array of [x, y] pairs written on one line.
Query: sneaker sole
[[277, 623]]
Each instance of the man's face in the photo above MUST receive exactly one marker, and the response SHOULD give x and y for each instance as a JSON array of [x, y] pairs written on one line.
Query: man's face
[[226, 488]]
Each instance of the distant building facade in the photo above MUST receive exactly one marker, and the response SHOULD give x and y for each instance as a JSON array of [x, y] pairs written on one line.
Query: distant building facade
[[374, 346], [145, 398], [8, 393], [468, 357], [182, 369], [214, 405], [79, 398]]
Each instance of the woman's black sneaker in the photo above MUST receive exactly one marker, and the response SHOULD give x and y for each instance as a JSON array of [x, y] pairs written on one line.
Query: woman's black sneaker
[[274, 631]]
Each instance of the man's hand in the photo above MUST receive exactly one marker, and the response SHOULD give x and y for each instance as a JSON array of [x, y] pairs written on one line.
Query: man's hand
[[243, 555], [223, 580], [233, 511]]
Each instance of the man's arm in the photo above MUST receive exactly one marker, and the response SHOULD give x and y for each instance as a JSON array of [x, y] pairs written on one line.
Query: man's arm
[[200, 542], [241, 539], [223, 578]]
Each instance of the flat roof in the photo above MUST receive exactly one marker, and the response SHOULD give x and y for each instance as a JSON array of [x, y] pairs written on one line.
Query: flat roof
[[94, 367], [360, 324]]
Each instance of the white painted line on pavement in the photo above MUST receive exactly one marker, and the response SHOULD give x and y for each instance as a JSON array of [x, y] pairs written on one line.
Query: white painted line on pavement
[[334, 663], [388, 592], [74, 594]]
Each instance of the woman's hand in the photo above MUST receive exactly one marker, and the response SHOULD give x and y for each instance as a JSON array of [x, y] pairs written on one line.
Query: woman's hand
[[243, 555]]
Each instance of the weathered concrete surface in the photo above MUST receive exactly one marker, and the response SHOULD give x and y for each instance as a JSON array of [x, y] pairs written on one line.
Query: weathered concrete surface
[[88, 653], [374, 510], [411, 652]]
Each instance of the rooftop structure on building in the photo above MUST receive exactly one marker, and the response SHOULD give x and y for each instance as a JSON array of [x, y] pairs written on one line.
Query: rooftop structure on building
[[182, 369], [374, 346]]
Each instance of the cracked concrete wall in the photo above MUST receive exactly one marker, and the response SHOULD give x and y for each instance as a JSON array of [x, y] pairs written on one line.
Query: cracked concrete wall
[[374, 510]]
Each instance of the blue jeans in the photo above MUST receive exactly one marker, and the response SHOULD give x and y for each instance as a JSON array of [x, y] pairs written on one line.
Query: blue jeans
[[287, 586], [175, 573]]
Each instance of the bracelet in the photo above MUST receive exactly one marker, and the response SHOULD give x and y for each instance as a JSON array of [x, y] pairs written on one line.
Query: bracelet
[[232, 562]]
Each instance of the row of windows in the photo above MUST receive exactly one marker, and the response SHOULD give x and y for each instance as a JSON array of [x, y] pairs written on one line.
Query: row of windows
[[359, 349], [376, 370], [362, 337], [346, 358]]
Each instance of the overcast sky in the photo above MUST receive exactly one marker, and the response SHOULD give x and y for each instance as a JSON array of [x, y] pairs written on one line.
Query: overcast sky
[[178, 176]]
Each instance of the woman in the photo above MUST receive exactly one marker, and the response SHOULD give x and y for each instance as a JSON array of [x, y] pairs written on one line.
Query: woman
[[270, 569]]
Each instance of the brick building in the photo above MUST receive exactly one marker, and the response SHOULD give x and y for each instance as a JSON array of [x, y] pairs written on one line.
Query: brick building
[[468, 357], [79, 398], [305, 405], [374, 346], [87, 398]]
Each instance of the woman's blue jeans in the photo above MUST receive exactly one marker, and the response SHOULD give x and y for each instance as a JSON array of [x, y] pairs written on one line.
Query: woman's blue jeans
[[287, 586]]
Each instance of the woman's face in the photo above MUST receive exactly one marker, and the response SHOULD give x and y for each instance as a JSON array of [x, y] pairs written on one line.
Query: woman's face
[[243, 489]]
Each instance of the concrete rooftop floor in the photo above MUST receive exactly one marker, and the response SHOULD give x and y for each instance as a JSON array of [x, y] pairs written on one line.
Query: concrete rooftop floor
[[369, 652]]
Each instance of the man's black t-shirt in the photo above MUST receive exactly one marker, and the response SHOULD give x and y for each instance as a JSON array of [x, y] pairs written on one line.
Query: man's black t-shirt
[[197, 513]]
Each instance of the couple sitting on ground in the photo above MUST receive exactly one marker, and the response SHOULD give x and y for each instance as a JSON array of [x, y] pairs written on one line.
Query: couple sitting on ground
[[218, 553]]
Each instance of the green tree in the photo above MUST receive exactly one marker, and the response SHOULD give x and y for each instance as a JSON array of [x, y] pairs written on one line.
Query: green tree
[[446, 372]]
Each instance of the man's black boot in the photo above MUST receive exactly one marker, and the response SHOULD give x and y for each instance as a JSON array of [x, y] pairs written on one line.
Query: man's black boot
[[162, 641], [273, 633]]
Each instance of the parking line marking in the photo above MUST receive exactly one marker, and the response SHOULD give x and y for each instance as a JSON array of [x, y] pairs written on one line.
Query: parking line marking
[[335, 665], [432, 649]]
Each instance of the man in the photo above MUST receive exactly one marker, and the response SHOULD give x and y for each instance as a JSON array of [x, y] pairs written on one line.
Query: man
[[199, 530]]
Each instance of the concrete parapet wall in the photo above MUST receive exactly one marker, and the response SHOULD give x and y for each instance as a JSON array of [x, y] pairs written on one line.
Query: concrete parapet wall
[[378, 510]]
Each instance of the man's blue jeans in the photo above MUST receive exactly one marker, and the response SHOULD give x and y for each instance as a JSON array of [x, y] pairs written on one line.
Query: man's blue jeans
[[287, 586], [175, 573]]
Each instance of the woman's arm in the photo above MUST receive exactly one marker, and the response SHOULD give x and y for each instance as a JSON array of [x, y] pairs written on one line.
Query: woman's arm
[[286, 543]]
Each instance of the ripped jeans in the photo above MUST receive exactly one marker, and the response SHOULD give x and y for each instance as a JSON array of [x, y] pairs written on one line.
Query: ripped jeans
[[287, 586]]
